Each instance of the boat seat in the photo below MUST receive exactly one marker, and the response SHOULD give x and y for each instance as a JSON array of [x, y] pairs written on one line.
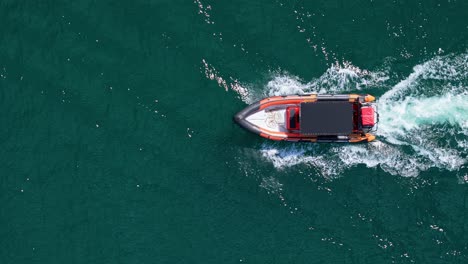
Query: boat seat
[[292, 118], [367, 116]]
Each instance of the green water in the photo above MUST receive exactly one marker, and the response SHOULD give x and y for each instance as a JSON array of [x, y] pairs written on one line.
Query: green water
[[118, 145]]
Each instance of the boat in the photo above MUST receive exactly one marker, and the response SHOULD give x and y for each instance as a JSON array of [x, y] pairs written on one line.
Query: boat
[[312, 118]]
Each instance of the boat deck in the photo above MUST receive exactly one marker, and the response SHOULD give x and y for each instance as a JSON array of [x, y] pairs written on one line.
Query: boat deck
[[272, 120]]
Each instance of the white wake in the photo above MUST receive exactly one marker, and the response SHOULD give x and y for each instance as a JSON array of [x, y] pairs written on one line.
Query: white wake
[[423, 120]]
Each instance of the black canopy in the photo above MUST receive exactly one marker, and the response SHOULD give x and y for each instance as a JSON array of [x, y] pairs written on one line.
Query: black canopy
[[327, 118]]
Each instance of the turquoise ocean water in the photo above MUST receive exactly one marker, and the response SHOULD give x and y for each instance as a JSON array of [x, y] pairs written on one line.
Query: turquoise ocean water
[[118, 145]]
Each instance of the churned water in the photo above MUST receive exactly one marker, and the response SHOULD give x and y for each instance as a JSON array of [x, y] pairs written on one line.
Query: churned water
[[118, 144]]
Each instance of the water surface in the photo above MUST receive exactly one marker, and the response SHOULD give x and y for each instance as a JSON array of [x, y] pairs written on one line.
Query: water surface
[[118, 144]]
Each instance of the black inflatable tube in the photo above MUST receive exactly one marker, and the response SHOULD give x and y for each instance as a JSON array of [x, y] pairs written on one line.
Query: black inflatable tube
[[239, 118]]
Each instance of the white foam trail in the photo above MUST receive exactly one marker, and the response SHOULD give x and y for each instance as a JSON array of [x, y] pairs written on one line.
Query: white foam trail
[[389, 158], [412, 121], [286, 85], [343, 77], [408, 117], [335, 160], [212, 74], [338, 78], [441, 68], [423, 121], [397, 118], [309, 155]]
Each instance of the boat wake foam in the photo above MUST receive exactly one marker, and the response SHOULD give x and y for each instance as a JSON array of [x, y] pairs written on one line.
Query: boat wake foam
[[423, 121], [343, 77], [233, 84]]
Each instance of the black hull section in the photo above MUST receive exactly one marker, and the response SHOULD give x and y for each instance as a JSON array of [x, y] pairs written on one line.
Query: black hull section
[[242, 115]]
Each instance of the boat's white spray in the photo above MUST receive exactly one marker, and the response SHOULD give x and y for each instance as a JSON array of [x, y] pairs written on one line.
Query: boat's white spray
[[419, 128], [339, 78]]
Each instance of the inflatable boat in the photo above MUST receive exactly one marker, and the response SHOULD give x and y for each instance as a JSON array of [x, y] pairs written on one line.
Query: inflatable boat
[[312, 118]]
